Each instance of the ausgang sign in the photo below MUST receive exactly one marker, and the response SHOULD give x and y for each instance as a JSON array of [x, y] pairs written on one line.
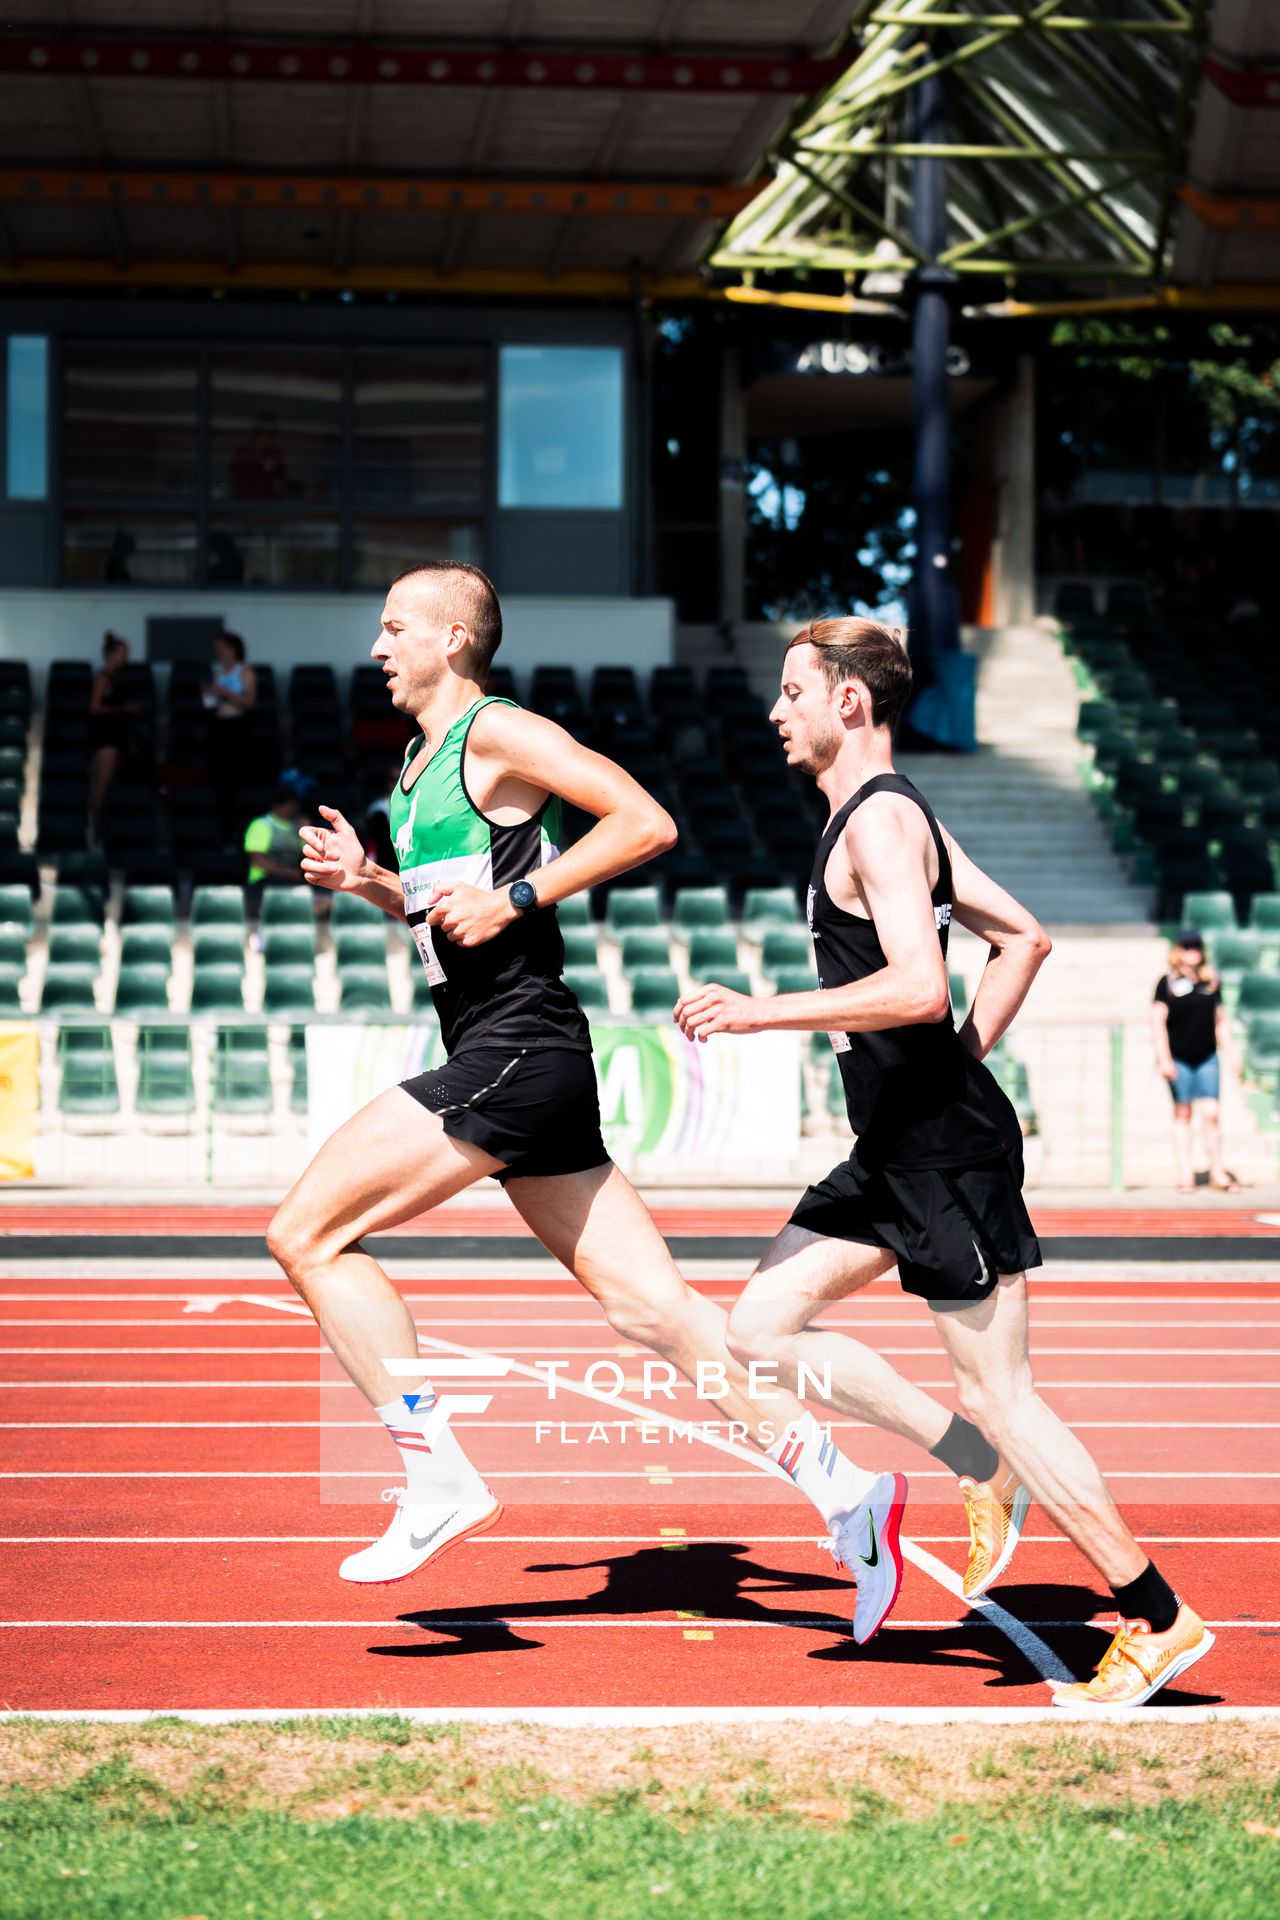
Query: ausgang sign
[[850, 356]]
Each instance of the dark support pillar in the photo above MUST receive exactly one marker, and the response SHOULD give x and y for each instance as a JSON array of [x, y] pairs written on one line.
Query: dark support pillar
[[935, 627]]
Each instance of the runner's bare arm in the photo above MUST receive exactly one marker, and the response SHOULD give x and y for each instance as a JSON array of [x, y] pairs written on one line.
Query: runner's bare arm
[[514, 760], [333, 857], [1018, 945], [885, 851]]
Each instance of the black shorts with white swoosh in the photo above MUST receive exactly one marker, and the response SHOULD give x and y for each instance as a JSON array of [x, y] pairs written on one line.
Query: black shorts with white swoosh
[[953, 1230]]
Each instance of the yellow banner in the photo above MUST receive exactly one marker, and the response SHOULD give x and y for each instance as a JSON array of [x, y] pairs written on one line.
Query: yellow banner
[[19, 1101]]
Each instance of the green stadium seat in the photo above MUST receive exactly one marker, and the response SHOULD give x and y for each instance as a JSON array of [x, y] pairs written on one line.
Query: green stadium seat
[[1264, 915], [364, 990], [241, 1078], [835, 1090], [13, 948], [632, 909], [735, 978], [88, 1085], [654, 992], [350, 910], [218, 907], [147, 907], [217, 989], [290, 947], [10, 982], [590, 987], [785, 947], [765, 907], [1259, 993], [146, 946], [795, 980], [16, 909], [67, 987], [218, 946], [645, 947], [361, 947], [77, 907], [421, 996], [581, 946], [1262, 1049], [1209, 912], [575, 911], [959, 993], [298, 1069], [700, 909], [166, 1081], [287, 907], [142, 990], [712, 948], [289, 990], [1234, 953]]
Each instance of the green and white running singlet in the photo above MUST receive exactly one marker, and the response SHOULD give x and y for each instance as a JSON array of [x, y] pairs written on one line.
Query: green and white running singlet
[[510, 990]]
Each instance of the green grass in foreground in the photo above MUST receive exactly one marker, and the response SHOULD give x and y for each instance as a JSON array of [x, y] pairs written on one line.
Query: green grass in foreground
[[116, 1844]]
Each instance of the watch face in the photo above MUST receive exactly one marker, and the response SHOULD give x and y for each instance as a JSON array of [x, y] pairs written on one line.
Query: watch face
[[523, 896]]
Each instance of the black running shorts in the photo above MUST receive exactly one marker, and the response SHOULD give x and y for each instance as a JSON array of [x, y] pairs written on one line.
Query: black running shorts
[[953, 1230], [538, 1110]]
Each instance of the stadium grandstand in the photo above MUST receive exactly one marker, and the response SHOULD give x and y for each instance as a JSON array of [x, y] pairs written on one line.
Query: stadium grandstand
[[680, 331]]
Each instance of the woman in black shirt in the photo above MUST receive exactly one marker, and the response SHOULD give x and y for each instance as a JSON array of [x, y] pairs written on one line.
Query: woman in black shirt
[[1189, 1026]]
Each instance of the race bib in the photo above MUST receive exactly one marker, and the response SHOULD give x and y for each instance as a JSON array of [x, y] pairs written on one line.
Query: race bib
[[427, 954]]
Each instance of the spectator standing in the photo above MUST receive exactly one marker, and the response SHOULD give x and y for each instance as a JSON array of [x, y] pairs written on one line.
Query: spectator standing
[[109, 718], [230, 695], [1191, 1030]]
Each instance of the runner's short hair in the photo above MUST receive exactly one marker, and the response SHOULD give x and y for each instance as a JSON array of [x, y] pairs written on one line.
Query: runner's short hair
[[469, 595], [852, 649]]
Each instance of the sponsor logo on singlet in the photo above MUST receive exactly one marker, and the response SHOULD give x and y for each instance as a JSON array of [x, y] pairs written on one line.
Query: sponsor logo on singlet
[[810, 897], [942, 916]]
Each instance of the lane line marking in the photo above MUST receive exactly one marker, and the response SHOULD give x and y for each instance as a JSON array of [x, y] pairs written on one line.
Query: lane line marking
[[641, 1717]]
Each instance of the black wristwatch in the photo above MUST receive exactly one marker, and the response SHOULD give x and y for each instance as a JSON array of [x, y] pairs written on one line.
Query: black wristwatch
[[523, 896]]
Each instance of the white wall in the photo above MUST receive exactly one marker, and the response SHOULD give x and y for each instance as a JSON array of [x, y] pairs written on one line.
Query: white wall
[[334, 629]]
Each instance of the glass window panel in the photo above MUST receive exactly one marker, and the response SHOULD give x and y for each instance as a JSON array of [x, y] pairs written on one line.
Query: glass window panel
[[148, 550], [27, 417], [275, 424], [129, 423], [385, 545], [560, 427], [271, 550], [420, 429]]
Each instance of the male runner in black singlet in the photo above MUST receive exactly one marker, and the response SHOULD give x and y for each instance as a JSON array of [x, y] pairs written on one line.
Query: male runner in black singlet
[[934, 1184], [476, 834]]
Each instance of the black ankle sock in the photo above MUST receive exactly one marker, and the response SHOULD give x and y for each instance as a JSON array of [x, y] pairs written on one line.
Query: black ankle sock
[[1149, 1598], [966, 1451]]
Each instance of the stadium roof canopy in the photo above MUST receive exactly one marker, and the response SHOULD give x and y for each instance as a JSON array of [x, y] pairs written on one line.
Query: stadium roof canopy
[[525, 145], [1091, 146]]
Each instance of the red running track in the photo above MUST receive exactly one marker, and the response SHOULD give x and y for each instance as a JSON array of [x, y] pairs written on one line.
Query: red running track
[[168, 1541]]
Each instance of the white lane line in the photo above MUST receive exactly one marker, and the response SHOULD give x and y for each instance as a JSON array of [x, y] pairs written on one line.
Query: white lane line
[[591, 1322], [990, 1615], [582, 1539], [606, 1348], [178, 1383], [528, 1426], [561, 1474], [651, 1717]]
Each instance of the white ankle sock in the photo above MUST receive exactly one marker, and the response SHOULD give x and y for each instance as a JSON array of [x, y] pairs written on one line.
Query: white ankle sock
[[439, 1474], [807, 1452]]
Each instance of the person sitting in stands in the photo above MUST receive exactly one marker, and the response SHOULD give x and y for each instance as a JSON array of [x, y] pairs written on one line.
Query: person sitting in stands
[[272, 846]]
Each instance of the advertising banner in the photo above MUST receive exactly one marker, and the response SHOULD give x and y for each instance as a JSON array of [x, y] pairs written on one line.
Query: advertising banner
[[19, 1101], [665, 1102]]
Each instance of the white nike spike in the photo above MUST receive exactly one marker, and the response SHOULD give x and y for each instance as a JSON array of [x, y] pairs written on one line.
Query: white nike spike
[[417, 1535], [865, 1543]]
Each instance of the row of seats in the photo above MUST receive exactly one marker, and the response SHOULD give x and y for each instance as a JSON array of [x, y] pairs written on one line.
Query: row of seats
[[241, 1082], [1188, 789]]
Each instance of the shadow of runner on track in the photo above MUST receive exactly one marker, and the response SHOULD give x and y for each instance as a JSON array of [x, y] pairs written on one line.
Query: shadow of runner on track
[[712, 1579]]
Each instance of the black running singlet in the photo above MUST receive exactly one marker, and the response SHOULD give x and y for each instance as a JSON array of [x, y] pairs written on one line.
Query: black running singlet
[[916, 1097]]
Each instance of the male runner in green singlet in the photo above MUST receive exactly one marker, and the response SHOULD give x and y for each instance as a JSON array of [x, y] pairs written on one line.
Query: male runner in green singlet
[[475, 824]]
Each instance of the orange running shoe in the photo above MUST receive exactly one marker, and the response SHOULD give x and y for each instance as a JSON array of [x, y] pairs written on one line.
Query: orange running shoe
[[1138, 1663], [996, 1510]]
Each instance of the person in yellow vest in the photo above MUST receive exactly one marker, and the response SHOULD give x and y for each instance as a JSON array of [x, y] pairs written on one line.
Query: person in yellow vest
[[272, 847]]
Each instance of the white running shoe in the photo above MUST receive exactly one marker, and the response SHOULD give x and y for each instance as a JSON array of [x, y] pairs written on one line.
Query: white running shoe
[[417, 1534], [865, 1543]]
